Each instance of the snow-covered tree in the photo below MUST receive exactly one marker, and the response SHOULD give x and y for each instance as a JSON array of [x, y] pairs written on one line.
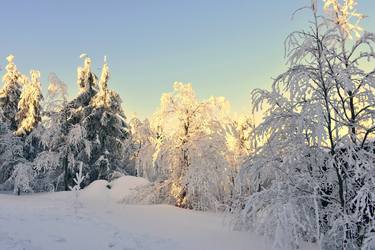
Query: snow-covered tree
[[23, 177], [16, 172], [240, 143], [10, 93], [56, 147], [57, 96], [86, 79], [78, 179], [11, 154], [100, 114], [146, 143], [239, 139], [313, 178], [29, 106], [90, 130], [184, 149], [19, 110], [61, 157], [104, 97]]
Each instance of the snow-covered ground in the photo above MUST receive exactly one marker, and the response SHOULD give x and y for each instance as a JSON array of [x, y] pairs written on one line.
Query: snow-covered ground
[[97, 221]]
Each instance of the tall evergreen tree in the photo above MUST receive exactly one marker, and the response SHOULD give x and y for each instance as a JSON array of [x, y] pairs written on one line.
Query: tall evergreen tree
[[18, 111], [98, 110], [10, 93], [11, 153], [28, 115]]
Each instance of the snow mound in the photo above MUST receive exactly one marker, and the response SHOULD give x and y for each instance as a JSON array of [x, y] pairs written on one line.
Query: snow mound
[[126, 186], [96, 192], [116, 191]]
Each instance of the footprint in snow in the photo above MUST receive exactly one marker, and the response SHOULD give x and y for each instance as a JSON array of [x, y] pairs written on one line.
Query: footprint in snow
[[61, 240]]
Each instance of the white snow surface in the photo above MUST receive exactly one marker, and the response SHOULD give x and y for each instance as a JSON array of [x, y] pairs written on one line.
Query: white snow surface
[[95, 219]]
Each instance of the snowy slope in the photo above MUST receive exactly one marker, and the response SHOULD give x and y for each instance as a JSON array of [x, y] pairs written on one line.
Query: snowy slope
[[96, 221]]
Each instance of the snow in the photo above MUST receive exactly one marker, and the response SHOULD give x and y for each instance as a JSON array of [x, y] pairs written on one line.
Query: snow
[[125, 186], [115, 192], [96, 221]]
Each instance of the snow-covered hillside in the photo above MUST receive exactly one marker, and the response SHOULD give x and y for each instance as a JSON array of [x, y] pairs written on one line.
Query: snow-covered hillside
[[97, 221]]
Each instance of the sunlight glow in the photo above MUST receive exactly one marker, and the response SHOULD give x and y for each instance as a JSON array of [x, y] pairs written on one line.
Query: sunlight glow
[[343, 15]]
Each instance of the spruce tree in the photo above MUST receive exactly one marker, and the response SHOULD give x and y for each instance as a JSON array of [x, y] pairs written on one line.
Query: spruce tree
[[11, 153], [10, 93], [28, 115], [98, 110]]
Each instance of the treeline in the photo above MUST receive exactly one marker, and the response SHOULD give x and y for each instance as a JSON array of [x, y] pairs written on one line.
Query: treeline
[[189, 148], [306, 173], [45, 141]]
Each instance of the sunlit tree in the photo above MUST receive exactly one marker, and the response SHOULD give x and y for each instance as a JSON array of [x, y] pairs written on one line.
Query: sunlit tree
[[29, 106], [146, 142], [99, 112], [10, 93], [187, 148], [313, 179]]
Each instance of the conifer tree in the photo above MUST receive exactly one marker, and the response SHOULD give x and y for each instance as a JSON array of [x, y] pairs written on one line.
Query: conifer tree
[[107, 129], [100, 114], [10, 93], [11, 153], [29, 106]]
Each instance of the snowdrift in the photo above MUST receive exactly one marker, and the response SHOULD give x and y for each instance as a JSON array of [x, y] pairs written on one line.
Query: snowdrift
[[117, 190]]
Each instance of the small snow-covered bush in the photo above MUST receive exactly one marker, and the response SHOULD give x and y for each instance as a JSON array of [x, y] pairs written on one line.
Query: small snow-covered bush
[[22, 178]]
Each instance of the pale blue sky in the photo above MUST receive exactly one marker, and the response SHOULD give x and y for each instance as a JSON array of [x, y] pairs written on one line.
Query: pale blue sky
[[224, 48]]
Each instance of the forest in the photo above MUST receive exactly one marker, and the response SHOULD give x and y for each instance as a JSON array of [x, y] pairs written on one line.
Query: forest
[[304, 174]]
